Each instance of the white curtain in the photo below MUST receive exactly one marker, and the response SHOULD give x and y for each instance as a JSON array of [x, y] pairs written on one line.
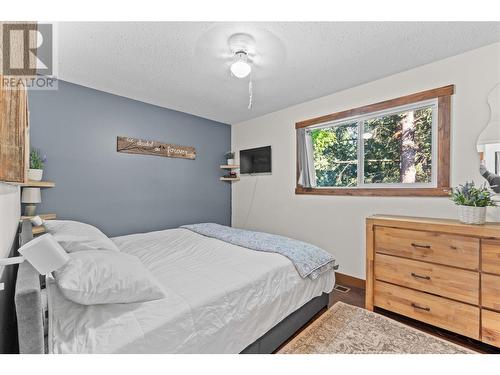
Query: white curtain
[[307, 175]]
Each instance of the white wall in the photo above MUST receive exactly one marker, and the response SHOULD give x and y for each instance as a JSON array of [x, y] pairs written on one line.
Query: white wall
[[336, 223], [10, 211]]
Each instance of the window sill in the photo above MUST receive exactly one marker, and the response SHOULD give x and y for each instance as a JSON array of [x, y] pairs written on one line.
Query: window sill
[[377, 192]]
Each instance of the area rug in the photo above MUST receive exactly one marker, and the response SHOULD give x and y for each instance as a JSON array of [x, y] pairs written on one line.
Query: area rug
[[346, 329]]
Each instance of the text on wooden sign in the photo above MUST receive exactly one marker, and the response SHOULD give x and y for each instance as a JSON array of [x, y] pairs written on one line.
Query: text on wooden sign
[[140, 146]]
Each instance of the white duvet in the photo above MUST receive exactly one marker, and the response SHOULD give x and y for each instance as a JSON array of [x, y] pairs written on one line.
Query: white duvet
[[220, 299]]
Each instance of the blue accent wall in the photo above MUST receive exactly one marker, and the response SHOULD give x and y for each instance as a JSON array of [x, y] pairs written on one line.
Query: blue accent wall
[[76, 127]]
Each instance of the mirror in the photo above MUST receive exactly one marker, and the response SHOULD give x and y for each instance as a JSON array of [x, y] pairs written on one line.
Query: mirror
[[488, 144]]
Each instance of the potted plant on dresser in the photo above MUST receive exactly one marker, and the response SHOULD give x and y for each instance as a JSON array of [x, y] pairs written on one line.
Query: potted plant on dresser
[[37, 162], [472, 202]]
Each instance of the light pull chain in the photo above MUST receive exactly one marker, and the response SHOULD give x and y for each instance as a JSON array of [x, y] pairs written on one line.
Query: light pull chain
[[250, 94]]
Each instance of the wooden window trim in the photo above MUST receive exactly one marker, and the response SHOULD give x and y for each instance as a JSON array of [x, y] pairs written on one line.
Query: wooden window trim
[[443, 95]]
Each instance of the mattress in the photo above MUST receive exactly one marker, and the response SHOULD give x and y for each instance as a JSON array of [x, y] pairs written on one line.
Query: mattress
[[220, 298]]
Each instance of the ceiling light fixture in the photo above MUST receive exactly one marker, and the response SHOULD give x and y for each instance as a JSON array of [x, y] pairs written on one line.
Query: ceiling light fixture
[[242, 48], [241, 68]]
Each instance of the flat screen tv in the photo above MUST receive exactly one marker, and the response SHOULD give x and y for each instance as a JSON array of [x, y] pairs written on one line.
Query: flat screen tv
[[255, 160]]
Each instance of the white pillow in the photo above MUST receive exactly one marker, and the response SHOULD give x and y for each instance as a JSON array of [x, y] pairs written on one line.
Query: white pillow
[[76, 236], [101, 276]]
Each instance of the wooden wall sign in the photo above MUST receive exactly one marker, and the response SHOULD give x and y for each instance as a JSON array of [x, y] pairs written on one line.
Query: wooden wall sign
[[140, 146]]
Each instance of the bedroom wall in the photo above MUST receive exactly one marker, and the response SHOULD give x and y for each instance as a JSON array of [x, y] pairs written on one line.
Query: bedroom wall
[[336, 223], [76, 127], [9, 221], [10, 211]]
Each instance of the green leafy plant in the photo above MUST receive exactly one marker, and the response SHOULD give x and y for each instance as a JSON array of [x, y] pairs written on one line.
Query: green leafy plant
[[470, 195], [229, 155], [336, 150], [37, 161]]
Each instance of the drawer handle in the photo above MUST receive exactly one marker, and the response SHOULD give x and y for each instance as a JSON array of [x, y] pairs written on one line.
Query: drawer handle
[[420, 277], [415, 306], [421, 246]]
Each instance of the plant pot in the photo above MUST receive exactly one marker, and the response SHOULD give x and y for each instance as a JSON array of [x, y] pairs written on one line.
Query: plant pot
[[35, 174], [472, 215], [230, 161]]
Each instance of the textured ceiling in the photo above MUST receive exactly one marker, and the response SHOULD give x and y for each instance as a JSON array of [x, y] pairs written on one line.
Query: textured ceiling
[[185, 65]]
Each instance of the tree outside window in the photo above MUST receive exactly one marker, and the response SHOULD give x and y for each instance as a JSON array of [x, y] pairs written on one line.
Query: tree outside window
[[393, 148]]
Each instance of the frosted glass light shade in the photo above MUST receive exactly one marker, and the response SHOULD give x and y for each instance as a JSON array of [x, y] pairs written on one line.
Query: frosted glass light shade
[[31, 195], [240, 68], [45, 254]]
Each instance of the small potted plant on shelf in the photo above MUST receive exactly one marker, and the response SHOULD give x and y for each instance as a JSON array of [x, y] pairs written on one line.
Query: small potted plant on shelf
[[37, 162], [472, 202], [229, 157]]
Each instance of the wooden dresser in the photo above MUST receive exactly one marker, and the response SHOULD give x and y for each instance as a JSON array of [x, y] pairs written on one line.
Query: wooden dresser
[[438, 271]]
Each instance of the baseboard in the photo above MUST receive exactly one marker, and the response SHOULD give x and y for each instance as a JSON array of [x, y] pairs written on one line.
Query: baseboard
[[351, 281]]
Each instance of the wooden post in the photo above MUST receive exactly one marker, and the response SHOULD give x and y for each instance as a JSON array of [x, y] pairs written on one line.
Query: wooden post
[[14, 143], [370, 254]]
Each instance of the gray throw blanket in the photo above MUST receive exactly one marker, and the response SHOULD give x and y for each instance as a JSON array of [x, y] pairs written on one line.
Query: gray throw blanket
[[309, 260]]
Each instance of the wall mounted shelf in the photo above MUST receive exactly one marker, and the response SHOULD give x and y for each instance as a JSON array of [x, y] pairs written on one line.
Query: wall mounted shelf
[[43, 216], [229, 166], [229, 179], [40, 229], [38, 184]]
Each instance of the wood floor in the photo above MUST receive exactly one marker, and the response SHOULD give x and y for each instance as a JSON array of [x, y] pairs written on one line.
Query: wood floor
[[356, 297]]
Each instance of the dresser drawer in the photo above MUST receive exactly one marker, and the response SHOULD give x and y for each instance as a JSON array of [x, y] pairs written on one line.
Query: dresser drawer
[[447, 249], [491, 256], [445, 281], [490, 291], [490, 329], [440, 312]]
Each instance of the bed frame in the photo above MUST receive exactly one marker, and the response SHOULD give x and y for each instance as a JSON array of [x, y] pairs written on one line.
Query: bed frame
[[285, 329], [29, 310]]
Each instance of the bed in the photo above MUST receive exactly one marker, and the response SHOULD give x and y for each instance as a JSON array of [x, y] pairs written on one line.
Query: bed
[[221, 298]]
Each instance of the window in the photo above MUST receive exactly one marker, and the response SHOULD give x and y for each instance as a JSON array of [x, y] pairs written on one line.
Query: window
[[378, 149], [397, 147]]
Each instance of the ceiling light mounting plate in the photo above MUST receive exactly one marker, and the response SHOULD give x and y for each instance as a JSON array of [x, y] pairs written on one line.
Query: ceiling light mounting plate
[[242, 42], [241, 54]]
